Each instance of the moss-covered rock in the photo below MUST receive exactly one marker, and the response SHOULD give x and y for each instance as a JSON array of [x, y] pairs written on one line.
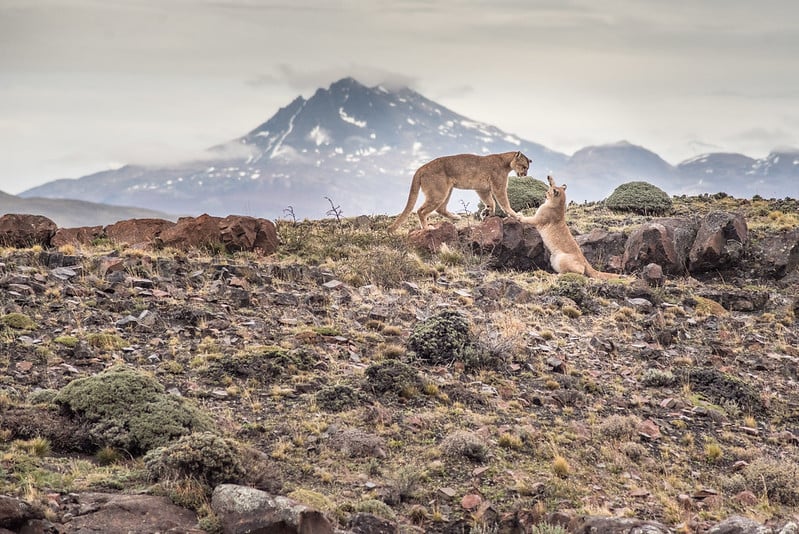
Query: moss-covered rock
[[203, 455], [337, 398], [261, 363], [442, 339], [129, 410], [639, 197], [18, 321], [392, 375]]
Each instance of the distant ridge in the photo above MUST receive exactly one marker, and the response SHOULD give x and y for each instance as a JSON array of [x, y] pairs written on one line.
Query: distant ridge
[[359, 146], [74, 213]]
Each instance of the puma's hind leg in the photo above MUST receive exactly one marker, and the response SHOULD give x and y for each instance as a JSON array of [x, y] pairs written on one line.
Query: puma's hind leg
[[429, 205], [442, 209]]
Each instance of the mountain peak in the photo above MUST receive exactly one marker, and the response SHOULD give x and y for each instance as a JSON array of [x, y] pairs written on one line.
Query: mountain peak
[[346, 83]]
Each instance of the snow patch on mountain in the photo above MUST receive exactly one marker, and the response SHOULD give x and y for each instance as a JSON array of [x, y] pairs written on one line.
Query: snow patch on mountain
[[350, 120]]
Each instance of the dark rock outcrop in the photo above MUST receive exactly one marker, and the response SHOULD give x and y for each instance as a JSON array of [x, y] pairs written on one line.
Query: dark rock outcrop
[[666, 242], [83, 235], [431, 239], [21, 231], [719, 242], [511, 243], [137, 231]]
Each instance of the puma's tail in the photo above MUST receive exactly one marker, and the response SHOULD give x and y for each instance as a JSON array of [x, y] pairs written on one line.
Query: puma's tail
[[416, 184], [593, 273]]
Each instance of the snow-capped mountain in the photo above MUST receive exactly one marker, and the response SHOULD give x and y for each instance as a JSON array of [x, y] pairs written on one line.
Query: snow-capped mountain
[[356, 145], [592, 173], [359, 146]]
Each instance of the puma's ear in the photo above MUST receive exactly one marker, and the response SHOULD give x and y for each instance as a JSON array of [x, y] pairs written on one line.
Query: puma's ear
[[564, 187], [519, 153]]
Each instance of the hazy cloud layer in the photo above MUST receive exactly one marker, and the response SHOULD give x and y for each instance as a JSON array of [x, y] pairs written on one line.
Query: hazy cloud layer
[[85, 84]]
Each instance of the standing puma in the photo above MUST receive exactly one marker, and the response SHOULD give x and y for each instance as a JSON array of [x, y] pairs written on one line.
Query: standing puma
[[488, 175], [550, 221]]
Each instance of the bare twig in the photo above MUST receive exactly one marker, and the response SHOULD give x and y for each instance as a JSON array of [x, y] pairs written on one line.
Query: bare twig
[[334, 210]]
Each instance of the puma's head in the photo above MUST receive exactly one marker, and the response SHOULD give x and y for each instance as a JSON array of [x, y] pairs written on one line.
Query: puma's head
[[520, 164], [556, 194]]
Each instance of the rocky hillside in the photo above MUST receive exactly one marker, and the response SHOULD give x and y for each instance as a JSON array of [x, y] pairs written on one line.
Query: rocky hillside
[[358, 381]]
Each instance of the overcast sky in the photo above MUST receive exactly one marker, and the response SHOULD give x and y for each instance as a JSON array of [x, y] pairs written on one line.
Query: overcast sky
[[87, 85]]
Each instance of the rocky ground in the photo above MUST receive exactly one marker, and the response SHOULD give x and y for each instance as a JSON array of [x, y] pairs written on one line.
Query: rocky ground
[[396, 390]]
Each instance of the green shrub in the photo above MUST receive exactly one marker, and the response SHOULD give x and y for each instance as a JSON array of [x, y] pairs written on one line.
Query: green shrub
[[571, 285], [261, 363], [442, 339], [18, 321], [337, 398], [377, 508], [392, 375], [524, 192], [639, 197], [129, 410], [203, 455]]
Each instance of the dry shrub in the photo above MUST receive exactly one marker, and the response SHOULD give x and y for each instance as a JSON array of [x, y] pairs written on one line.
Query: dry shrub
[[466, 444]]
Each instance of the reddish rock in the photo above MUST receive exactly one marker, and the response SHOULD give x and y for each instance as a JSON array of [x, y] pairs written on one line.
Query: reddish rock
[[23, 231], [653, 274], [137, 231], [432, 238], [511, 243], [719, 242], [240, 233], [83, 235], [602, 249], [649, 429], [192, 232], [471, 501], [662, 241]]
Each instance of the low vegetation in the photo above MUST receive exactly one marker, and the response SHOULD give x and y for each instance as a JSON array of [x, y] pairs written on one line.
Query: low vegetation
[[355, 375]]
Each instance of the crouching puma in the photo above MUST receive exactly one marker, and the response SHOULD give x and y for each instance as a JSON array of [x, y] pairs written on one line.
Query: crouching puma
[[488, 175], [550, 221]]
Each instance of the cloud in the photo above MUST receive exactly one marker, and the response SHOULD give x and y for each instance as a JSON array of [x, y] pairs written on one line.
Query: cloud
[[308, 81], [161, 155]]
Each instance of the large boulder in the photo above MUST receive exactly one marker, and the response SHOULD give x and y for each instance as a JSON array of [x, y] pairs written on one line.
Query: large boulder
[[192, 232], [83, 235], [665, 242], [603, 249], [234, 233], [135, 514], [511, 244], [137, 231], [242, 509], [240, 233], [777, 256], [719, 242], [431, 239], [15, 513], [23, 231]]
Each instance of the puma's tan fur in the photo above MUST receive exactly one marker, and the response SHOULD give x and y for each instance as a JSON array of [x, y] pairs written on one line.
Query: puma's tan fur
[[550, 221], [488, 175]]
